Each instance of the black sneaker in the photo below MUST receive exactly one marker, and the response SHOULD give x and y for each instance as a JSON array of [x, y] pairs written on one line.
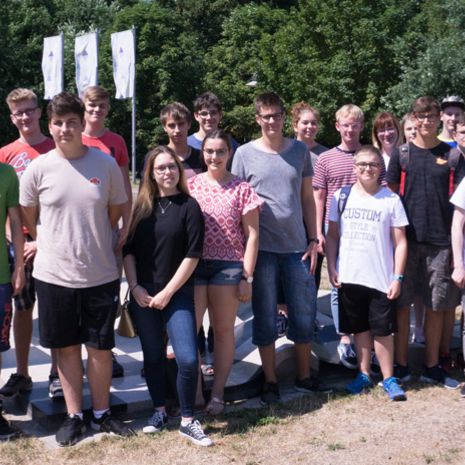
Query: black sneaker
[[194, 432], [71, 431], [6, 431], [270, 394], [156, 422], [312, 384], [110, 424], [16, 384], [402, 373], [437, 375], [55, 389], [118, 370]]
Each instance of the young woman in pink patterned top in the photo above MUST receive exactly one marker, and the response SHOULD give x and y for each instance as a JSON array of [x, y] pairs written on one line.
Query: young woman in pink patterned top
[[225, 273]]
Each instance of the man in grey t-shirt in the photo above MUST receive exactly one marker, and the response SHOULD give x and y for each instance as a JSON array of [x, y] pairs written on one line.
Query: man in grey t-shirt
[[71, 198], [280, 170]]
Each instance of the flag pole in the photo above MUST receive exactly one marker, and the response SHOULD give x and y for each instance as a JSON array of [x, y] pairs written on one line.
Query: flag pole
[[62, 35], [133, 125]]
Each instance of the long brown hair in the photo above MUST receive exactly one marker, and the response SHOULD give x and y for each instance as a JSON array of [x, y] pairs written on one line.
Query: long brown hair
[[143, 206]]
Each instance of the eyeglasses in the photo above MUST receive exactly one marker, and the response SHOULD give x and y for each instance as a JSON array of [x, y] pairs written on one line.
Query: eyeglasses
[[162, 168], [218, 153], [26, 112], [205, 113], [386, 131], [365, 165], [426, 116], [275, 116]]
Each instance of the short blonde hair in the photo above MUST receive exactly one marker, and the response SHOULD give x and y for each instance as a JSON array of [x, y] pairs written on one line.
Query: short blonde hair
[[93, 93], [350, 111], [19, 95]]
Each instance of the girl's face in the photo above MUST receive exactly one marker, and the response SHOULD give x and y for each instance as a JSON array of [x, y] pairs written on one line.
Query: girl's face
[[410, 129], [216, 155], [166, 173], [307, 126], [388, 137]]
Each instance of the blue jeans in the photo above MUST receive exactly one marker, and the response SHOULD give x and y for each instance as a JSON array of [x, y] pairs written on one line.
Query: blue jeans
[[179, 319], [299, 290]]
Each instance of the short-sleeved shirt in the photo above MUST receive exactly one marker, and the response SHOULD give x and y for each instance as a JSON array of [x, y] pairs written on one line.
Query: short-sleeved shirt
[[366, 250], [74, 234], [223, 207], [277, 179], [458, 198], [9, 192], [19, 155], [426, 198], [110, 143], [316, 151], [164, 239]]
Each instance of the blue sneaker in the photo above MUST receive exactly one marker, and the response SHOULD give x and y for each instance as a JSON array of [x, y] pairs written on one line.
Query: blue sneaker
[[393, 390], [361, 383]]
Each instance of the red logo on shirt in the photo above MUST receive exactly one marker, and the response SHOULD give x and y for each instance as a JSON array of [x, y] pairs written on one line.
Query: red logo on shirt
[[95, 181]]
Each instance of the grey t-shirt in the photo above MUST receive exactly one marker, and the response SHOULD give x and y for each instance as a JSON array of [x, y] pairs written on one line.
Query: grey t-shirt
[[277, 179], [74, 235]]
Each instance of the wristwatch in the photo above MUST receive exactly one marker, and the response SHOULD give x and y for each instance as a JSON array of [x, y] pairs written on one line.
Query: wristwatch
[[247, 279], [398, 277]]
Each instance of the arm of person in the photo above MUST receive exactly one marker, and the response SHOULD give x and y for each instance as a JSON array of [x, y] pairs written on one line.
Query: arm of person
[[309, 213], [114, 213], [139, 293], [29, 216], [250, 227], [17, 239], [458, 223], [320, 199], [183, 273], [332, 252], [126, 207], [399, 240]]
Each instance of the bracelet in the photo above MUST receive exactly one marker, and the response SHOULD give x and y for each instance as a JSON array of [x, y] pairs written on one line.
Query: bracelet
[[398, 277], [133, 287]]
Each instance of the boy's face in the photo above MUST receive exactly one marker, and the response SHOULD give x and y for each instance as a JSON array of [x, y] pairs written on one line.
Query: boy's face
[[96, 110], [177, 129], [367, 168], [66, 130], [450, 115], [350, 129], [459, 134], [25, 116], [208, 118], [271, 120], [428, 123]]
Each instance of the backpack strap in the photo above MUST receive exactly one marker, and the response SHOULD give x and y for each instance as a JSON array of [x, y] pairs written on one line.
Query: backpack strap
[[404, 158], [343, 197], [453, 159]]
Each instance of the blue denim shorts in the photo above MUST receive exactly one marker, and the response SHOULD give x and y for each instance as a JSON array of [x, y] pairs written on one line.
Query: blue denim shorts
[[6, 313], [219, 272], [298, 285]]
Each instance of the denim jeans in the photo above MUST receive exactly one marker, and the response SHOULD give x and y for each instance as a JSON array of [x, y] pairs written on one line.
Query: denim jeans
[[299, 290], [179, 319]]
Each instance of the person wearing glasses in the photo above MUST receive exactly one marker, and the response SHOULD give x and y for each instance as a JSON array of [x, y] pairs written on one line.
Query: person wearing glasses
[[426, 180], [25, 115], [164, 246], [224, 276], [366, 253], [385, 135], [280, 170]]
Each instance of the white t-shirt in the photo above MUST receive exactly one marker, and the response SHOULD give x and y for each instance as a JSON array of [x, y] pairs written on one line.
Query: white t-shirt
[[74, 235], [458, 199], [366, 251]]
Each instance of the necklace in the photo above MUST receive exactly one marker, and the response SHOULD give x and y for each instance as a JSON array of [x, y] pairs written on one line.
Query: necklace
[[164, 208]]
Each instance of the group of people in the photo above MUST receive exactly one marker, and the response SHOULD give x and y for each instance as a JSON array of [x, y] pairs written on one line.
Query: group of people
[[215, 224]]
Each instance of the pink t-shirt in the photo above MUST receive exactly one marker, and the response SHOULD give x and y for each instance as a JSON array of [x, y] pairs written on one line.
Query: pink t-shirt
[[223, 207], [110, 143]]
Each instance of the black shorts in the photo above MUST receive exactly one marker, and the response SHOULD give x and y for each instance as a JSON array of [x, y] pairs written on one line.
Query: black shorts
[[69, 316], [364, 309]]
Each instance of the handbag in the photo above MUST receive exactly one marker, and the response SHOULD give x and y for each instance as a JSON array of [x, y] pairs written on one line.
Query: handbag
[[126, 326]]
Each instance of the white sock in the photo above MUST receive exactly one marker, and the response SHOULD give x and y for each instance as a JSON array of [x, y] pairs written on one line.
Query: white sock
[[186, 422], [78, 414], [99, 413]]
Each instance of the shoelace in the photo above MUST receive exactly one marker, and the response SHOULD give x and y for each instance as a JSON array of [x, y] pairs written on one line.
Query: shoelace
[[156, 418], [197, 429]]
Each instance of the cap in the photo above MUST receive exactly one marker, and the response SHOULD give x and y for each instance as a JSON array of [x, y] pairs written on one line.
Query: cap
[[453, 101]]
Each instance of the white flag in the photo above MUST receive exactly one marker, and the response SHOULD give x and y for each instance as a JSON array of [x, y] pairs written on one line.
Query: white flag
[[52, 66], [124, 63], [86, 59]]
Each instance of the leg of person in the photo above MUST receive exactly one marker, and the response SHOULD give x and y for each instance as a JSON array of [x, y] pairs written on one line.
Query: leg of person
[[6, 311], [445, 359], [419, 310], [70, 372], [402, 335], [55, 390], [150, 324], [223, 304], [22, 329], [264, 324], [319, 266]]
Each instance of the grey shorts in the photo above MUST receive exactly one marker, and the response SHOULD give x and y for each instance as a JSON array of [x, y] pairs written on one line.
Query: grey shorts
[[428, 275]]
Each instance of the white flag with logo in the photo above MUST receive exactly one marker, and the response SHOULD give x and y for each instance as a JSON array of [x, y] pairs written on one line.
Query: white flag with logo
[[86, 59], [52, 66], [124, 63]]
